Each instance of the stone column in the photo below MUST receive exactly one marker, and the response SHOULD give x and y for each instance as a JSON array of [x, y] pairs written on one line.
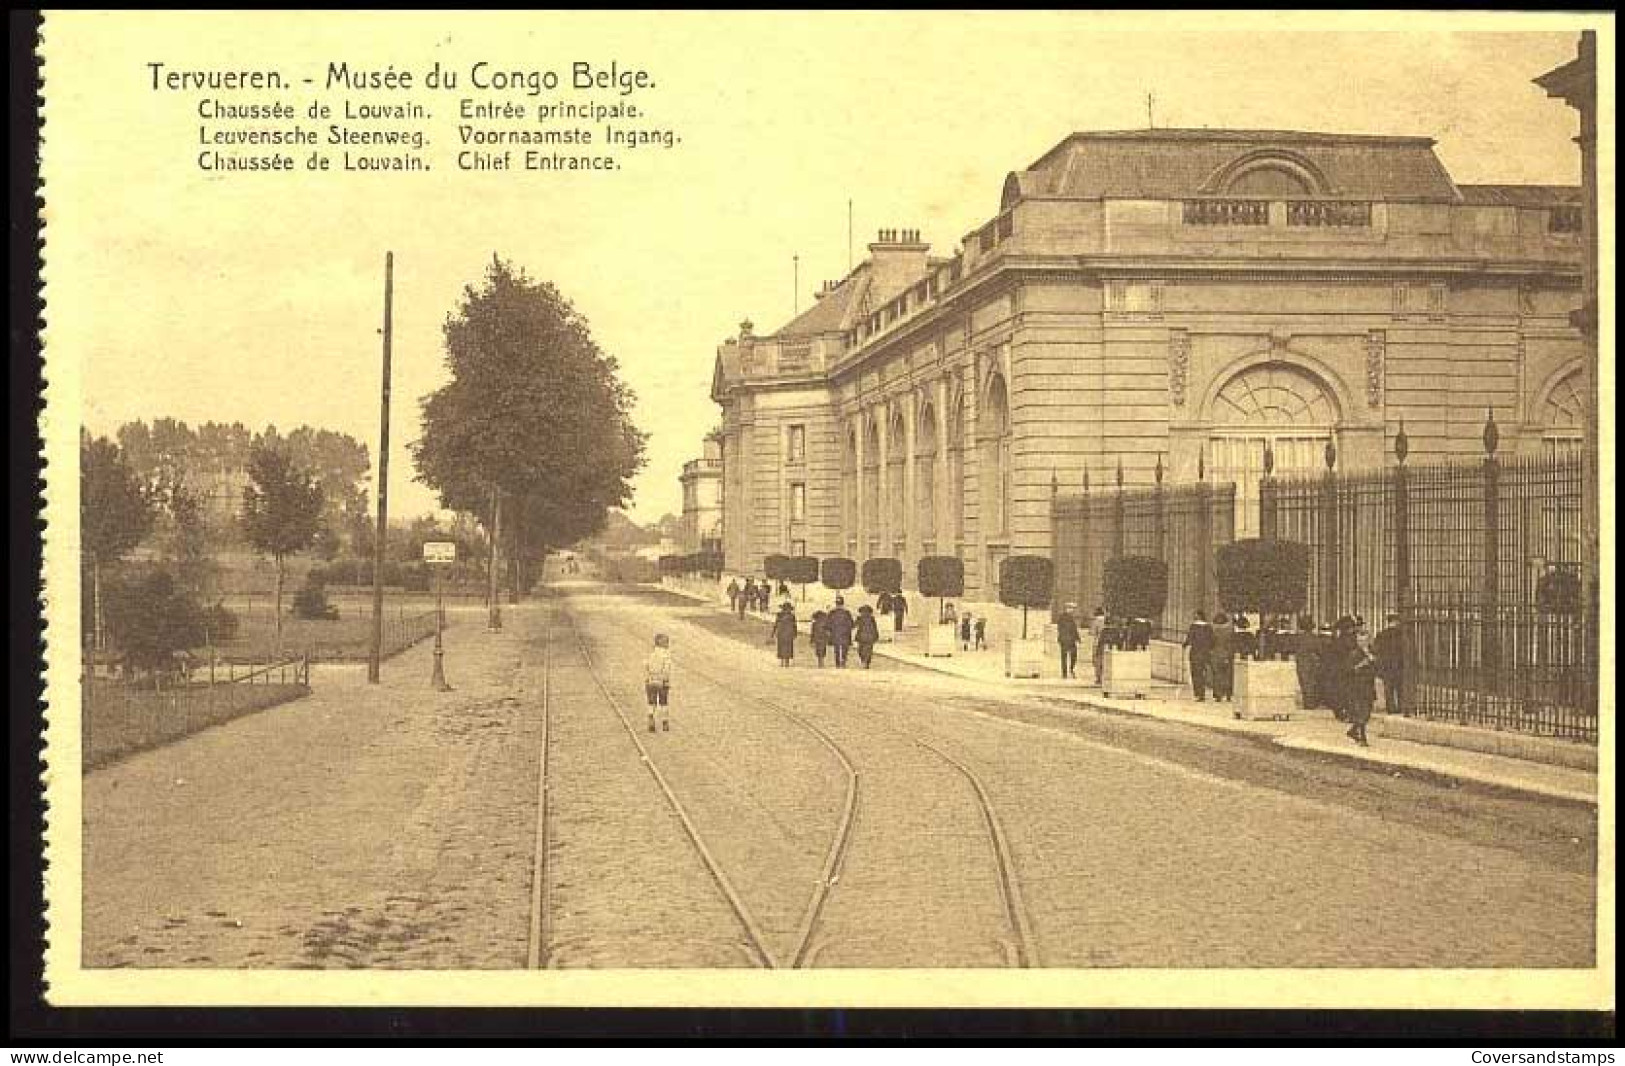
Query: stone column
[[910, 531], [883, 521], [861, 530], [942, 511]]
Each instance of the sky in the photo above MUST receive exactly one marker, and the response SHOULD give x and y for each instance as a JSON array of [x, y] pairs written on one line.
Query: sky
[[259, 298]]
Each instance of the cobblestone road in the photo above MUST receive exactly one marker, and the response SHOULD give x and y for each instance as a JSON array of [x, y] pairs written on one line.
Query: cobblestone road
[[391, 826]]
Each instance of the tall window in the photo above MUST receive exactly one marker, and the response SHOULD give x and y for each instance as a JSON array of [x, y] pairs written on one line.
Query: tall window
[[871, 488], [1563, 420], [896, 481], [849, 492], [956, 472], [925, 477], [798, 444], [997, 476], [1275, 405], [798, 501]]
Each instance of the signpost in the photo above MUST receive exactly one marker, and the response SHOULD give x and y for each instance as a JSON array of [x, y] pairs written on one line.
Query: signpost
[[439, 554]]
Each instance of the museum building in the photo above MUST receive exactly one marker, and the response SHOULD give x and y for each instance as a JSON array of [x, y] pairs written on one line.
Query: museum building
[[1152, 299]]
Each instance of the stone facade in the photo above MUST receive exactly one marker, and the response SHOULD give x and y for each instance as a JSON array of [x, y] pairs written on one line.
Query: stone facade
[[701, 479], [1165, 296]]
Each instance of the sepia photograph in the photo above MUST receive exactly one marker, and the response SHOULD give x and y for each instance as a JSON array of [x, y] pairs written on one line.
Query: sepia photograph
[[1021, 509]]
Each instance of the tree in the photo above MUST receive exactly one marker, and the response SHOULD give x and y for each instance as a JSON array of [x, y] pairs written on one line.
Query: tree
[[535, 422], [838, 573], [941, 576], [282, 510], [1136, 586], [882, 575], [801, 570], [1026, 581], [115, 514], [152, 618]]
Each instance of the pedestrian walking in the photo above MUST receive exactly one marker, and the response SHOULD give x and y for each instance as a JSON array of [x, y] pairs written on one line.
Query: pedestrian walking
[[1222, 665], [733, 595], [1199, 646], [783, 590], [866, 634], [1358, 670], [979, 633], [657, 682], [747, 598], [899, 611], [1066, 633], [784, 634], [949, 616], [1388, 648], [818, 630], [1097, 630], [1306, 661], [965, 631], [840, 626], [1329, 683]]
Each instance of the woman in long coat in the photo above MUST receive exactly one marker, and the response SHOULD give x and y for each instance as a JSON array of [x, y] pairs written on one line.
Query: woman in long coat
[[1357, 670], [784, 634]]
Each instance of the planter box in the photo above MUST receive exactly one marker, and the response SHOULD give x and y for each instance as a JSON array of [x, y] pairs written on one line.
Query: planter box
[[941, 640], [1168, 662], [1023, 658], [1126, 673], [1266, 690]]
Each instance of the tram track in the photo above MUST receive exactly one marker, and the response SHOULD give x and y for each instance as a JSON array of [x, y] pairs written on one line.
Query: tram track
[[755, 942], [1022, 949]]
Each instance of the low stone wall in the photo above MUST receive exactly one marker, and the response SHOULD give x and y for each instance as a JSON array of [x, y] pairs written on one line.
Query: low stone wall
[[1548, 750]]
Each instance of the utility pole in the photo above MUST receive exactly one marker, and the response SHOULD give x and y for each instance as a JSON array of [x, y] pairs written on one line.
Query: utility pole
[[1150, 111], [379, 540], [494, 621], [795, 285]]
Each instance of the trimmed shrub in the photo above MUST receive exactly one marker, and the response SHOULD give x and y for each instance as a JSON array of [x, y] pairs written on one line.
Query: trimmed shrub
[[773, 566], [1026, 581], [941, 576], [882, 575], [801, 570], [1136, 586], [1263, 576], [838, 573]]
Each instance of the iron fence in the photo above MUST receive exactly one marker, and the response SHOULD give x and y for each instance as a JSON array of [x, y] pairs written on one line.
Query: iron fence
[[121, 716], [1457, 550], [1181, 525]]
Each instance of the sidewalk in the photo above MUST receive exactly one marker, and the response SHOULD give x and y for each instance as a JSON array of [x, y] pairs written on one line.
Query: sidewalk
[[1315, 731]]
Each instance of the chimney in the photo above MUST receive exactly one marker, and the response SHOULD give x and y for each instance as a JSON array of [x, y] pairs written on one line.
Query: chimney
[[897, 260], [745, 328]]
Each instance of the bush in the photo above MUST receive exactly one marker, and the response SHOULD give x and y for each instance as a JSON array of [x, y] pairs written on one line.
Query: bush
[[1026, 581], [801, 570], [941, 576], [151, 619], [838, 573], [882, 575], [669, 565], [311, 604], [1263, 576], [773, 566], [1136, 586]]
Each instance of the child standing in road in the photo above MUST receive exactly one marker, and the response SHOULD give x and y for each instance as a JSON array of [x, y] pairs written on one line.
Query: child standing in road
[[657, 681]]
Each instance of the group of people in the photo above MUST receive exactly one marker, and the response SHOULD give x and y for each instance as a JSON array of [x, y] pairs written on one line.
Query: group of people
[[1126, 634], [969, 627], [1337, 664], [836, 629], [754, 595]]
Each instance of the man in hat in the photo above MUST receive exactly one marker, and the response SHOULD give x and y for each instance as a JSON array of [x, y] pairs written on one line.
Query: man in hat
[[1066, 632], [839, 623], [1389, 649]]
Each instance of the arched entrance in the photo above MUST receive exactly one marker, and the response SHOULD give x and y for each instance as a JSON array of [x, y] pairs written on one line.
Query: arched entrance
[[996, 477], [1273, 405], [849, 493], [871, 488], [896, 484], [925, 478], [1563, 416]]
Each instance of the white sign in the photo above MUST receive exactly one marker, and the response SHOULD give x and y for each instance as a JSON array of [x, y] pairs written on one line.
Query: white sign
[[439, 551]]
